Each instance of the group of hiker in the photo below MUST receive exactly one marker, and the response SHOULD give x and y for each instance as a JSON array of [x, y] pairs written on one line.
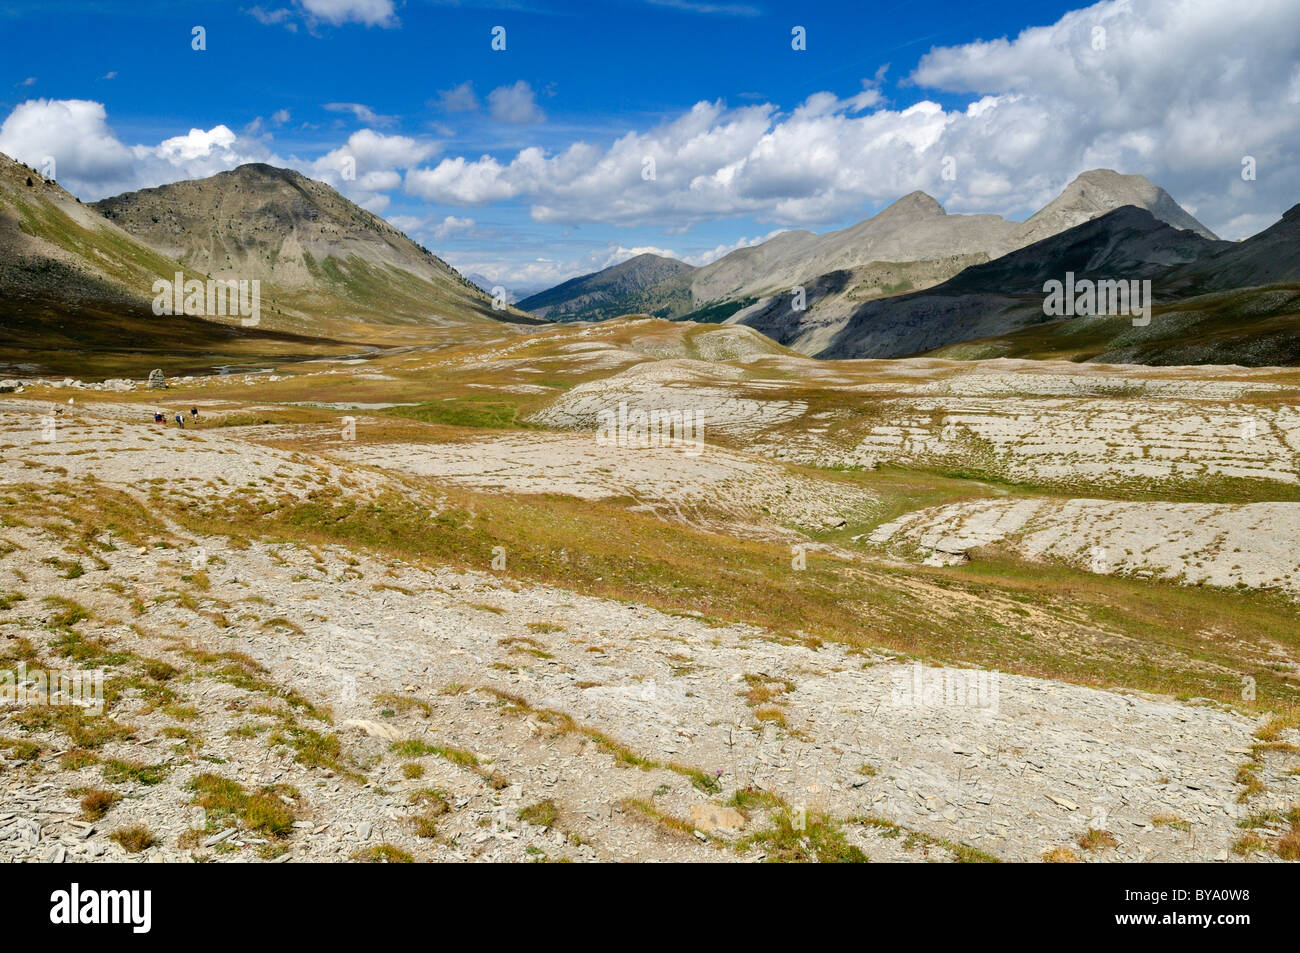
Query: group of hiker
[[160, 418]]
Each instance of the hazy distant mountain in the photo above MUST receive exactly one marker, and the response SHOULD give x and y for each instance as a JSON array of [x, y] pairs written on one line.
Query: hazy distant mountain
[[915, 228], [624, 288], [512, 293], [921, 228], [1098, 192], [733, 275], [331, 267], [912, 244]]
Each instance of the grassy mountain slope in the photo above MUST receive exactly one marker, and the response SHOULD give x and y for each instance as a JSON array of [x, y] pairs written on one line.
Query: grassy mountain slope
[[78, 295], [643, 283], [330, 267]]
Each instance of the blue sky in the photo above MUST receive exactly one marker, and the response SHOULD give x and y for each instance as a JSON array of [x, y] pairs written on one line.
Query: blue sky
[[528, 165]]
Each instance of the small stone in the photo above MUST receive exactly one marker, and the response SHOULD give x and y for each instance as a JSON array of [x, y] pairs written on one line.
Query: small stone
[[218, 837], [712, 817]]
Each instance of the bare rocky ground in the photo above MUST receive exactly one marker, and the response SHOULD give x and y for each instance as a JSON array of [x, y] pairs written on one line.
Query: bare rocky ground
[[277, 701], [1250, 545], [468, 666], [1108, 428], [675, 481]]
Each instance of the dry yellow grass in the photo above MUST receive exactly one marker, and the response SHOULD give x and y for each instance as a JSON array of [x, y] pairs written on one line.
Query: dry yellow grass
[[1060, 855]]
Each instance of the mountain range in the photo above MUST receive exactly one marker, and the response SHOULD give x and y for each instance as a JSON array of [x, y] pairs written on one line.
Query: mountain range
[[334, 267], [913, 243], [1214, 301], [78, 278], [1003, 295], [913, 279], [1230, 303]]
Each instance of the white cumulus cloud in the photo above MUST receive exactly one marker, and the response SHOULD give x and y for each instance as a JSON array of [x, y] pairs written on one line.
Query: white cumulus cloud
[[458, 99], [1164, 88], [368, 164], [452, 225], [369, 12], [92, 162], [516, 103]]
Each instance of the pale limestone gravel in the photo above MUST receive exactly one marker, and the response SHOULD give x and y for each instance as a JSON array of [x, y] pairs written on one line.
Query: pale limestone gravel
[[115, 454], [1035, 382], [1053, 423], [1104, 440], [733, 343], [670, 386], [1014, 781], [120, 445], [1216, 544], [669, 479], [1024, 772]]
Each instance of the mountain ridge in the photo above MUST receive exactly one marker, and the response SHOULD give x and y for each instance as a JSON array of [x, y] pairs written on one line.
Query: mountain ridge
[[1214, 301], [80, 286], [914, 228], [617, 283]]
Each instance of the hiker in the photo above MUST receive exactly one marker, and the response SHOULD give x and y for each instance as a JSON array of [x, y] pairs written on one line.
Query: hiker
[[158, 418], [180, 421], [194, 414]]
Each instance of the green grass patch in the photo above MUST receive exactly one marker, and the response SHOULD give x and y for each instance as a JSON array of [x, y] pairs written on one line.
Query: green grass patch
[[226, 800]]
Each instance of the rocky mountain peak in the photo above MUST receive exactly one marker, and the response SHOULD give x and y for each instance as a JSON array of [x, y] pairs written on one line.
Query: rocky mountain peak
[[914, 205]]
